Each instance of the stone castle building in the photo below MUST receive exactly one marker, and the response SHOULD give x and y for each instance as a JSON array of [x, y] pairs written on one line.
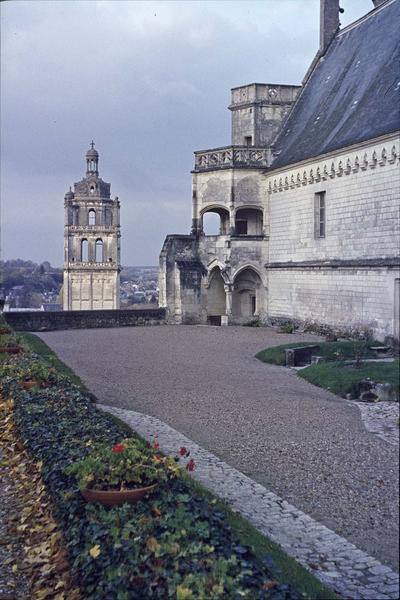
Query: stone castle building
[[307, 194], [91, 242]]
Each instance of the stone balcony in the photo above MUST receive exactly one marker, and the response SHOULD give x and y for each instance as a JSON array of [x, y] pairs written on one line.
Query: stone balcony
[[228, 157]]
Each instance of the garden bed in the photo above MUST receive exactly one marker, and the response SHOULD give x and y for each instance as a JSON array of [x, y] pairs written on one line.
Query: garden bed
[[175, 544]]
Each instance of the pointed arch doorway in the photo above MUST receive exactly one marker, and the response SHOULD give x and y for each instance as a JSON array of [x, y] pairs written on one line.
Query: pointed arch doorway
[[216, 297], [247, 295]]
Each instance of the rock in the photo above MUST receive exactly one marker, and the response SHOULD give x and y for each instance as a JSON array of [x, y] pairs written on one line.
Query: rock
[[365, 385], [315, 360], [384, 391], [369, 396]]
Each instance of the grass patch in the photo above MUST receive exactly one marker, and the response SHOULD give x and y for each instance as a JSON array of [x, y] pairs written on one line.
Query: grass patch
[[342, 380], [39, 347], [330, 351]]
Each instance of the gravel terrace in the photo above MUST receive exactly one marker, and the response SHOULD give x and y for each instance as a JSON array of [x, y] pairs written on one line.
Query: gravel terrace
[[301, 442]]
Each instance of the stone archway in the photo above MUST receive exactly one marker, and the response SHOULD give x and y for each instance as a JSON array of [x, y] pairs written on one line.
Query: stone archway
[[216, 297], [222, 216], [248, 296]]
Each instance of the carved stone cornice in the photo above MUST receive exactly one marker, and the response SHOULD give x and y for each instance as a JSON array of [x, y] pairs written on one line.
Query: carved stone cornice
[[337, 168], [356, 263]]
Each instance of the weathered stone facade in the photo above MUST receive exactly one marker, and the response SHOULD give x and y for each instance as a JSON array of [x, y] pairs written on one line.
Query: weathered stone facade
[[91, 243], [313, 237]]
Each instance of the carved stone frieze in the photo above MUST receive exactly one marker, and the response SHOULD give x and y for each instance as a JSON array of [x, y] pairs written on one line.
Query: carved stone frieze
[[337, 169], [231, 156]]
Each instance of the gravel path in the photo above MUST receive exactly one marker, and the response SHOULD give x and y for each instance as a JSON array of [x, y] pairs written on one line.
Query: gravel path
[[301, 442]]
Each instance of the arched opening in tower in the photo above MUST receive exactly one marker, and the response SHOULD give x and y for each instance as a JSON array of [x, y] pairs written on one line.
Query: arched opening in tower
[[215, 221], [249, 221]]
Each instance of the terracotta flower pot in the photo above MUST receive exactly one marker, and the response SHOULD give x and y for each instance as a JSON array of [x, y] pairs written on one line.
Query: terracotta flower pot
[[11, 349], [116, 497], [28, 385]]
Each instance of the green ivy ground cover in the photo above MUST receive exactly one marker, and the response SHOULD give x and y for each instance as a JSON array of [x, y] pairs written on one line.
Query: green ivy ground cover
[[172, 545]]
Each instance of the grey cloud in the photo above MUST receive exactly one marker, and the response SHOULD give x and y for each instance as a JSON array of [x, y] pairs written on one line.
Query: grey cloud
[[149, 89]]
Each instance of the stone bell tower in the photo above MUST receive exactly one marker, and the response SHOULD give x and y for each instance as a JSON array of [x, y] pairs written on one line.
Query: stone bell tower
[[91, 242]]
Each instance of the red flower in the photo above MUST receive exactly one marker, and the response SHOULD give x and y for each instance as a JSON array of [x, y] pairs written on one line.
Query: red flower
[[156, 445], [183, 451], [191, 465], [118, 448], [157, 457]]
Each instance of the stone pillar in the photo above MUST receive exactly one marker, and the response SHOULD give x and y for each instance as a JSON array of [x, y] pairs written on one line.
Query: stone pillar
[[228, 299], [232, 208], [196, 219]]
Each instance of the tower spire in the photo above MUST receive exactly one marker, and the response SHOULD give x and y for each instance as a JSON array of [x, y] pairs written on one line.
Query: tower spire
[[92, 160]]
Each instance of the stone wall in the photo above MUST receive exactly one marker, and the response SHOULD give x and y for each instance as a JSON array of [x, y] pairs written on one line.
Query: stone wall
[[346, 279], [352, 299], [83, 319], [88, 287], [180, 279], [258, 111]]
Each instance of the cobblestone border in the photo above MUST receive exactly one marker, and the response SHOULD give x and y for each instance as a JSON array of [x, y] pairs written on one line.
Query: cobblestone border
[[381, 419], [339, 564]]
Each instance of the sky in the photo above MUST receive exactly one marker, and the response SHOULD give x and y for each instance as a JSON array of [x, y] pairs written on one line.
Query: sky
[[150, 83]]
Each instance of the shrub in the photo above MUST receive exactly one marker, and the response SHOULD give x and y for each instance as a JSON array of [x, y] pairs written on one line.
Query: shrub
[[126, 465], [286, 328]]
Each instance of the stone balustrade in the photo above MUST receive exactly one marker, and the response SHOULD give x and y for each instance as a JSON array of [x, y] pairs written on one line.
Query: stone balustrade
[[231, 156], [91, 264], [89, 228]]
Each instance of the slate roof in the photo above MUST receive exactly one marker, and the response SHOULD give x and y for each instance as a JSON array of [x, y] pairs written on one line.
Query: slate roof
[[352, 95]]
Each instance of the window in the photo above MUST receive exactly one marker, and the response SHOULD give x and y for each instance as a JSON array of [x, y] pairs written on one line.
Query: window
[[84, 251], [99, 251], [108, 216], [92, 217], [249, 221], [215, 221], [241, 227], [320, 214], [253, 305], [75, 215], [248, 140]]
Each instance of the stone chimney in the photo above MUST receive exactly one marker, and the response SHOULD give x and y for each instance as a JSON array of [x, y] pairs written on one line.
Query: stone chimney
[[329, 22]]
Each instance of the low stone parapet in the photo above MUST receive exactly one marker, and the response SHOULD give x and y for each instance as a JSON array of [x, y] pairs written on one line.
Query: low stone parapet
[[83, 319], [296, 357]]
